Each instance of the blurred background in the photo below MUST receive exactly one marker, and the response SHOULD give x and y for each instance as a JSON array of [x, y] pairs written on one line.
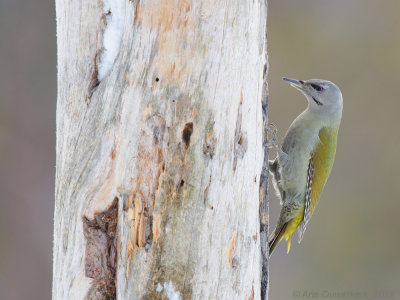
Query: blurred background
[[352, 243], [28, 86]]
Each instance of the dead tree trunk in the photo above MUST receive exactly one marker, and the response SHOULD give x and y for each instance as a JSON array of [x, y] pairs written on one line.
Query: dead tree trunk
[[160, 113]]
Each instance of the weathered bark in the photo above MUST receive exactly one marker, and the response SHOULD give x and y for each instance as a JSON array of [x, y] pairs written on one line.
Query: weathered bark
[[160, 151]]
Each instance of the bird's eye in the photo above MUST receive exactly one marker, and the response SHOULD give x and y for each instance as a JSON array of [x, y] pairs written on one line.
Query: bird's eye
[[317, 87]]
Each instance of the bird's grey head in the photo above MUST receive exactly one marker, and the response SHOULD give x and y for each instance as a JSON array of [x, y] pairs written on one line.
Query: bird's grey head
[[324, 97]]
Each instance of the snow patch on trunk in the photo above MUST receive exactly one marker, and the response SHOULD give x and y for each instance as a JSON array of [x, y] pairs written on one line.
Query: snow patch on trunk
[[170, 291], [115, 17]]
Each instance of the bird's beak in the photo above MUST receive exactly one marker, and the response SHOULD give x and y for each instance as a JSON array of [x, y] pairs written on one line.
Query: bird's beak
[[295, 83]]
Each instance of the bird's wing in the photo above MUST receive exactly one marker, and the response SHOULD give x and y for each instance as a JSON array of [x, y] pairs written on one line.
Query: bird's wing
[[319, 168]]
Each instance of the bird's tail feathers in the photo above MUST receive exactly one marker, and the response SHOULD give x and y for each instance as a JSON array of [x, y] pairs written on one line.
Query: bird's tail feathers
[[276, 236]]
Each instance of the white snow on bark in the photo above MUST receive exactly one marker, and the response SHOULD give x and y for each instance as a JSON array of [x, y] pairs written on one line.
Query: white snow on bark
[[159, 288], [170, 291], [115, 16]]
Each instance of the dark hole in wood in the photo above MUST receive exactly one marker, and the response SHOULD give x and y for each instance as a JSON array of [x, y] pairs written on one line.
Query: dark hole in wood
[[240, 141], [187, 133]]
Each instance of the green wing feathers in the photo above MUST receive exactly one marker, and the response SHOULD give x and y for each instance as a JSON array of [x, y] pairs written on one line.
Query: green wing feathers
[[323, 158], [319, 168]]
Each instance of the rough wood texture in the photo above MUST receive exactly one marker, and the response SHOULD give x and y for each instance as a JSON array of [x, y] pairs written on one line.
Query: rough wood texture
[[159, 162]]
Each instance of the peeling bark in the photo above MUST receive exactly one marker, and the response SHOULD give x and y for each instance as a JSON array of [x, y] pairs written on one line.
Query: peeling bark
[[240, 142], [160, 191], [100, 253], [230, 250]]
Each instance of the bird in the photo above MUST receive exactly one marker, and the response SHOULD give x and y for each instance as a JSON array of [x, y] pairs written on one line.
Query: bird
[[305, 159]]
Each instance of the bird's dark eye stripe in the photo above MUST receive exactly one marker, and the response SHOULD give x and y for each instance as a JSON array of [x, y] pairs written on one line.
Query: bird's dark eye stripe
[[316, 87], [316, 101]]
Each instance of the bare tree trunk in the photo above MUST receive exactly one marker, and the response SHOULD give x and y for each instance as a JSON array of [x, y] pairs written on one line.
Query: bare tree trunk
[[161, 105]]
